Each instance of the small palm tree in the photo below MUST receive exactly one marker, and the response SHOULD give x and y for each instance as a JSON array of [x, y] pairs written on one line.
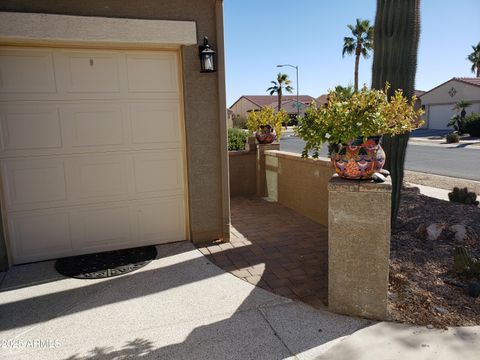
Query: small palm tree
[[458, 121], [461, 106], [282, 83], [360, 44], [474, 57]]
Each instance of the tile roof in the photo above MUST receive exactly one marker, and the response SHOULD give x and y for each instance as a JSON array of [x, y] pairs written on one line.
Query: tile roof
[[469, 80], [265, 100], [322, 99], [466, 80]]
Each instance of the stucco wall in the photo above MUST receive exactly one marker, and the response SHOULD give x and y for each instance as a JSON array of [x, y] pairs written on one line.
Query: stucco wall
[[203, 92], [440, 95], [300, 184], [242, 106], [242, 169]]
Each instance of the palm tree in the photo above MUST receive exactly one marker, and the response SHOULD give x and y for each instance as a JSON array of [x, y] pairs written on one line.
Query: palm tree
[[282, 83], [474, 57], [360, 44]]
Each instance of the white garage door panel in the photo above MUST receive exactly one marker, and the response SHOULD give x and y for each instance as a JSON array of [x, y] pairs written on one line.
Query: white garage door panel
[[98, 177], [161, 219], [91, 73], [66, 128], [75, 230], [26, 71], [39, 183], [146, 127], [89, 125], [27, 127], [30, 183], [92, 156], [58, 74], [101, 227], [439, 116], [36, 236], [158, 172], [147, 73]]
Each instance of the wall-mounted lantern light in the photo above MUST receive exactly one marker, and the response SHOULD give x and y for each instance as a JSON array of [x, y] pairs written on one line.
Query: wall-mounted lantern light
[[207, 57]]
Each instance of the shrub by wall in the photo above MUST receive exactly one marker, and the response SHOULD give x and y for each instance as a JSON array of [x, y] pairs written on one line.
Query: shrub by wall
[[472, 124], [237, 139]]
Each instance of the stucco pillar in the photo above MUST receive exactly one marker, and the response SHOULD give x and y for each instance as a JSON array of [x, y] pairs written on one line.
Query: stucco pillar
[[261, 175], [358, 247]]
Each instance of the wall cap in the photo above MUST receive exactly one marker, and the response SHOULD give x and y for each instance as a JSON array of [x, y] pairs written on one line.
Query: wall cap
[[298, 157], [339, 184]]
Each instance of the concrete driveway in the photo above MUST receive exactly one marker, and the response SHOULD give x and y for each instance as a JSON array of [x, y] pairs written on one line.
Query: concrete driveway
[[181, 306]]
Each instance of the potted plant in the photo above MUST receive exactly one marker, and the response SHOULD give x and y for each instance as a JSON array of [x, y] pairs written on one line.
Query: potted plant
[[353, 125], [266, 124]]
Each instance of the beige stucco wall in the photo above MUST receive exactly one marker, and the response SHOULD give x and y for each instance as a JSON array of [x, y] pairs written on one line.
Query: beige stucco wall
[[242, 106], [444, 102], [440, 95], [300, 184], [242, 169], [204, 97]]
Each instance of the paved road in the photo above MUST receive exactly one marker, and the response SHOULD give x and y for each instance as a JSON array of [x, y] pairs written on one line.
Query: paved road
[[457, 162]]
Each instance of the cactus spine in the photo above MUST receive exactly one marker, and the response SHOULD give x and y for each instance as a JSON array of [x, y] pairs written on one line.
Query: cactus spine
[[397, 30]]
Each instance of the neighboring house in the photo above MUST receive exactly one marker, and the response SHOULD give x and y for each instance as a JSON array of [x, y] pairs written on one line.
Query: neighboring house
[[229, 118], [247, 103], [108, 135], [439, 101], [322, 100]]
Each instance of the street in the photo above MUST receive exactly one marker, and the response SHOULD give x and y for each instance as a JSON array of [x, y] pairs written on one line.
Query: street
[[459, 161]]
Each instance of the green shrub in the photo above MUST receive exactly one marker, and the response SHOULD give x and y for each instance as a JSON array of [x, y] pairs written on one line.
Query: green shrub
[[267, 116], [236, 139], [472, 124], [453, 138]]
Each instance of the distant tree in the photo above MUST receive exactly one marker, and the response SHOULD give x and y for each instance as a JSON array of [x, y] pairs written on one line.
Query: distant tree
[[344, 92], [360, 44], [474, 57], [282, 83]]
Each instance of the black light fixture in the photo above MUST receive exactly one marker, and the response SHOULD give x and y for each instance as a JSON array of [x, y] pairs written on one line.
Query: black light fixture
[[207, 57]]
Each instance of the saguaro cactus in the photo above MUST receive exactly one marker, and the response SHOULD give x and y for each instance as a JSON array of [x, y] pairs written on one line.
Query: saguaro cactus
[[397, 30]]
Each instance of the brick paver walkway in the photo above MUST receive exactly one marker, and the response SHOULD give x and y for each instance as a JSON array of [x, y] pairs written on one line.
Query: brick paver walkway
[[275, 248]]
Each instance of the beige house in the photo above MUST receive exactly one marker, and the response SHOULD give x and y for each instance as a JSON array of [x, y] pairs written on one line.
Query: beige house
[[439, 101], [108, 135], [247, 103]]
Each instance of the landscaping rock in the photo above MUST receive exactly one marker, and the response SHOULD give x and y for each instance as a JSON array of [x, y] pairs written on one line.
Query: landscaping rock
[[385, 172], [430, 232], [460, 232], [378, 178], [441, 309]]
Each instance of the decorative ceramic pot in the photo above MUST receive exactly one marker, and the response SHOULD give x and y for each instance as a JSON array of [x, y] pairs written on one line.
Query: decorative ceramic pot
[[266, 135], [358, 159]]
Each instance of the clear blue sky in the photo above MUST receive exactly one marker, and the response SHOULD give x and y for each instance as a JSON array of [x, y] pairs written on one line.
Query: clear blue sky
[[259, 34]]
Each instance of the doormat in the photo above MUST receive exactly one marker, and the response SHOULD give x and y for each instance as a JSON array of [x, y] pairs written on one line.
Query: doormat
[[106, 264]]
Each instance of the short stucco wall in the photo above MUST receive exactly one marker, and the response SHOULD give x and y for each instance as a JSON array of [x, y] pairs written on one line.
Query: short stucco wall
[[242, 169], [298, 183]]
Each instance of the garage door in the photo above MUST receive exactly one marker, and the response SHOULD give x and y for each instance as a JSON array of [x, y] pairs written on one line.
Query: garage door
[[91, 150], [439, 116]]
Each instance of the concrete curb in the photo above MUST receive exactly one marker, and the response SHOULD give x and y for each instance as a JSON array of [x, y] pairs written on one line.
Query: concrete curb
[[440, 182]]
